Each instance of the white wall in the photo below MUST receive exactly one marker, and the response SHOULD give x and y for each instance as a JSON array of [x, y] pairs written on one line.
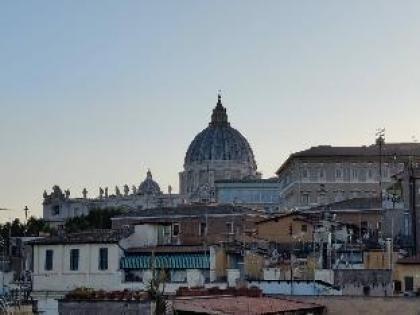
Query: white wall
[[144, 235], [61, 278], [272, 273], [195, 278]]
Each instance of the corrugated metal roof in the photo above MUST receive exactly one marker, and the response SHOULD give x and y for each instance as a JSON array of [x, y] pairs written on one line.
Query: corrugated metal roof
[[178, 261]]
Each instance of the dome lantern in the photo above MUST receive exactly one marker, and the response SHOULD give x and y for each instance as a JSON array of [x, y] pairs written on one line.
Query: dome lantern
[[219, 116]]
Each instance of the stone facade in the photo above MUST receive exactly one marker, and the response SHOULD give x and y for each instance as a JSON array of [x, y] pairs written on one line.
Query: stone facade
[[218, 152], [59, 206], [326, 174], [192, 225], [259, 194]]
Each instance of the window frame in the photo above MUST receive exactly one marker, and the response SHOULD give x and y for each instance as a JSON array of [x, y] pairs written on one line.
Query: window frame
[[49, 260], [74, 259], [230, 227], [178, 225], [103, 260], [203, 232]]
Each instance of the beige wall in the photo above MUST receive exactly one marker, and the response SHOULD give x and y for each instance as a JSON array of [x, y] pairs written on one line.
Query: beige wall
[[278, 231], [408, 270], [378, 259]]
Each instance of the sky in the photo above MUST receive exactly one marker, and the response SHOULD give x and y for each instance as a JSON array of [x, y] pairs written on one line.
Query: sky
[[93, 93]]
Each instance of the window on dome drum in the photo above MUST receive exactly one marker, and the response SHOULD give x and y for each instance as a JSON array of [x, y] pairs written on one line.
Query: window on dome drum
[[49, 253], [74, 259], [304, 228], [176, 229], [103, 258]]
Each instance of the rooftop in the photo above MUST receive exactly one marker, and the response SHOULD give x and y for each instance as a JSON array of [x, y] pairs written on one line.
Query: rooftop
[[413, 260], [86, 237], [169, 249], [249, 180], [388, 149], [188, 210], [241, 305], [353, 203]]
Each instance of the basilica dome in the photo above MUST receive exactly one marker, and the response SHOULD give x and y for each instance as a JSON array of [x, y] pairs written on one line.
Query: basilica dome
[[149, 186], [219, 141]]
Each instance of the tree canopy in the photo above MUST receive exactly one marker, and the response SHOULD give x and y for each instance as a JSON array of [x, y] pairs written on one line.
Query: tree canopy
[[96, 219]]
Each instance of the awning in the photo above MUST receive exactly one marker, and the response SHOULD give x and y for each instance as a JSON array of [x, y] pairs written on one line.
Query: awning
[[177, 261]]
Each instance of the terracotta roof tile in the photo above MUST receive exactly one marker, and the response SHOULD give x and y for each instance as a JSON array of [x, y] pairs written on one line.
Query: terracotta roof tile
[[241, 305]]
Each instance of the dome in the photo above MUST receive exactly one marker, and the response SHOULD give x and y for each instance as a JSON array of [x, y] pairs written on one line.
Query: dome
[[219, 141], [149, 186]]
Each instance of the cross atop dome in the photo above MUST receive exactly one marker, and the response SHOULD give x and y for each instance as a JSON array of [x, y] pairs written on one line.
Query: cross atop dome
[[219, 116]]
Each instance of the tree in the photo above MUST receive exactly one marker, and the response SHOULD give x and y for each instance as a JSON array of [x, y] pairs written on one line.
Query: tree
[[156, 289], [34, 226], [96, 219]]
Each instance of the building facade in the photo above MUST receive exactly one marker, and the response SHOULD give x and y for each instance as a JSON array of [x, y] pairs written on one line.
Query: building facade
[[326, 174], [257, 193], [192, 224], [59, 206]]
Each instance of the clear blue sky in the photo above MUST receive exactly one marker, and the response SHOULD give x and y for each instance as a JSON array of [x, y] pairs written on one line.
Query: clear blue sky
[[92, 93]]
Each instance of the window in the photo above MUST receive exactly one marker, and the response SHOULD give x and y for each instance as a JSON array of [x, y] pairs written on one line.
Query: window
[[321, 199], [354, 174], [103, 259], [305, 173], [55, 210], [49, 259], [397, 286], [305, 199], [176, 229], [385, 170], [74, 259], [203, 228], [408, 283], [321, 173], [229, 227], [304, 228], [338, 174]]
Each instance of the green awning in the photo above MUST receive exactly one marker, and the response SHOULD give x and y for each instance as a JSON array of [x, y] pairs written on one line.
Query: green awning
[[178, 261]]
